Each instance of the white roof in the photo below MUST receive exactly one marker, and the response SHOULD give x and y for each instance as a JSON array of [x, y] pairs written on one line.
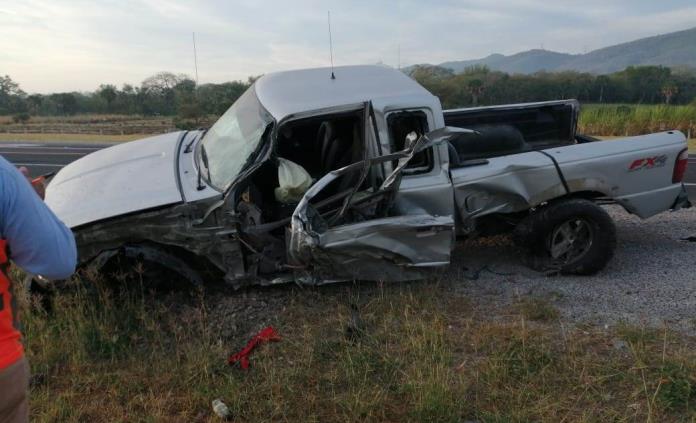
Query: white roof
[[290, 92]]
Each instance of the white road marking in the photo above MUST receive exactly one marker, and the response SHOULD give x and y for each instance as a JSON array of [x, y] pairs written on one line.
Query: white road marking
[[23, 153], [50, 147], [40, 164], [46, 147]]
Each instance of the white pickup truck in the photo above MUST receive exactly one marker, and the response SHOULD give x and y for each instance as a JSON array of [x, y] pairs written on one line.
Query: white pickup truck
[[314, 179]]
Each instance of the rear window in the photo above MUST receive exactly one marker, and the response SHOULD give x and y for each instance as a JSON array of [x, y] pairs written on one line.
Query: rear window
[[541, 127], [400, 125]]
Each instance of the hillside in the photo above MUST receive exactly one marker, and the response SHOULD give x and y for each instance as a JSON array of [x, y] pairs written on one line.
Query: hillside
[[525, 62], [673, 49]]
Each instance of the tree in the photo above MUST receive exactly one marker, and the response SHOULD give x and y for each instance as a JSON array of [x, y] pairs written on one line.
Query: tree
[[10, 88], [644, 82], [157, 94], [215, 99], [11, 96], [475, 89], [109, 93], [669, 90], [66, 103], [35, 101], [162, 82]]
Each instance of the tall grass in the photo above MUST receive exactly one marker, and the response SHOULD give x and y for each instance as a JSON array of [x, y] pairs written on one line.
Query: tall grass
[[626, 119], [419, 352]]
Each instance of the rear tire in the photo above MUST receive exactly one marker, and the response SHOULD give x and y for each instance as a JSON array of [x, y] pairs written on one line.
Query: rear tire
[[574, 236]]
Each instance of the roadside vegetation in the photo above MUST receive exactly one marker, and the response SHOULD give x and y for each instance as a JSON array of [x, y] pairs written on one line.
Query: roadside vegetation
[[635, 101], [632, 119], [396, 352]]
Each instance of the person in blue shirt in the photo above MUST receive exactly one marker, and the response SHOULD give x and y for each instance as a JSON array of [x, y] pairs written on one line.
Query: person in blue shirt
[[38, 242]]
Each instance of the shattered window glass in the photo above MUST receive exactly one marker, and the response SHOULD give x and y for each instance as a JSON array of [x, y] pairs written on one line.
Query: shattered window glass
[[231, 141]]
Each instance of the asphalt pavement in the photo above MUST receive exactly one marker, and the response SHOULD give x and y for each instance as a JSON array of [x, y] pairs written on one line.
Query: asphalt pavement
[[41, 158]]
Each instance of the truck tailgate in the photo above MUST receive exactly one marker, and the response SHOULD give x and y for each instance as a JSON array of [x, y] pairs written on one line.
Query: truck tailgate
[[634, 171]]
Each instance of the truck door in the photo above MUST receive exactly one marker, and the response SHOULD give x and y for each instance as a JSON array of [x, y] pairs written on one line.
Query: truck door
[[363, 235], [425, 183]]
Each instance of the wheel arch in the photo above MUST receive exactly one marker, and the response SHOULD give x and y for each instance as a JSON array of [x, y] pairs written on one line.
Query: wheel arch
[[177, 259]]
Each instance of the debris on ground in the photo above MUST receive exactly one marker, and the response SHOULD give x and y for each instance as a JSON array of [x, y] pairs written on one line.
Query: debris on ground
[[267, 334], [221, 409]]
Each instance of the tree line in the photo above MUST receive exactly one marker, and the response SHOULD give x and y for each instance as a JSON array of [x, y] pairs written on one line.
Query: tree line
[[170, 94], [162, 94], [479, 85]]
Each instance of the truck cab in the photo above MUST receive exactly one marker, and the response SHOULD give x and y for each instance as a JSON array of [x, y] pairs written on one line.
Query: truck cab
[[314, 176]]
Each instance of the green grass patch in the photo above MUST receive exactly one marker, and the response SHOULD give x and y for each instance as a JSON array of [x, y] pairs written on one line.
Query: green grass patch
[[632, 119], [422, 353], [537, 309]]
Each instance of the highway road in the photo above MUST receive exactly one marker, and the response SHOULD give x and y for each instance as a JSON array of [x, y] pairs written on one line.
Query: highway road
[[43, 158]]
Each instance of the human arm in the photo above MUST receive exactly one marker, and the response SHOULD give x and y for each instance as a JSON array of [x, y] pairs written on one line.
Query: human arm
[[38, 241]]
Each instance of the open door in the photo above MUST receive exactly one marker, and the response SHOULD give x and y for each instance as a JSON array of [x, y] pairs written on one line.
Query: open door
[[361, 236]]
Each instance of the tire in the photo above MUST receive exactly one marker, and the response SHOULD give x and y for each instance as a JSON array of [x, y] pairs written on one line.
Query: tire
[[574, 236]]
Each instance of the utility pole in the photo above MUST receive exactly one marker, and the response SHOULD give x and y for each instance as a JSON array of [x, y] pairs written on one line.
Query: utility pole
[[398, 57], [195, 57]]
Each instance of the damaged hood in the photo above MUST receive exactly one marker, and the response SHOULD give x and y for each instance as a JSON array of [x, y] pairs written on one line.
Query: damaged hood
[[122, 179]]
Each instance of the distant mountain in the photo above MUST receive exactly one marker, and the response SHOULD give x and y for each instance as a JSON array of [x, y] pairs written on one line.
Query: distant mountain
[[675, 49], [526, 62]]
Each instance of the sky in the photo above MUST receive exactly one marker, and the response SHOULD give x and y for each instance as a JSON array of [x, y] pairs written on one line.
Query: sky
[[75, 45]]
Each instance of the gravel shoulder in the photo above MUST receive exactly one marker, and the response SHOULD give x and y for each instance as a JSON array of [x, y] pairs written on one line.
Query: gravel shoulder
[[651, 279]]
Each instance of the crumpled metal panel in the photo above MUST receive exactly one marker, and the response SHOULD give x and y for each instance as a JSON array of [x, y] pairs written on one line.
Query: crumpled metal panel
[[505, 185], [383, 248], [214, 238]]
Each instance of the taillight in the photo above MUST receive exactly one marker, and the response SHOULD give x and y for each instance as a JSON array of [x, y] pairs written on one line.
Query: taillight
[[680, 166]]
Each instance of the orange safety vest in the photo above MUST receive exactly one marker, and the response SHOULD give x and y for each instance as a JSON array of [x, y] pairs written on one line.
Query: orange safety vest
[[11, 349]]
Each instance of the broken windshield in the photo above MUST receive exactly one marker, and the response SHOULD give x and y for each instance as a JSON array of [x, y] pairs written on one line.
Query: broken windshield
[[232, 140]]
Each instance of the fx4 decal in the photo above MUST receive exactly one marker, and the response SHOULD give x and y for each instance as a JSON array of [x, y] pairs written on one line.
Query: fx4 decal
[[648, 163]]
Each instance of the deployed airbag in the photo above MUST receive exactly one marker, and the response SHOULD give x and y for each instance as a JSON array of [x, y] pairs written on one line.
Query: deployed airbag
[[293, 181]]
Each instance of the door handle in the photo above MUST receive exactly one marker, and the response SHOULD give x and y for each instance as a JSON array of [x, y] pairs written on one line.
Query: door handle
[[473, 162]]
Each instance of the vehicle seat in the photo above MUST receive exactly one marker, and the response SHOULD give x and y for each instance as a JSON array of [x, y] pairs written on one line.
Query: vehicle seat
[[339, 151], [335, 150], [491, 141]]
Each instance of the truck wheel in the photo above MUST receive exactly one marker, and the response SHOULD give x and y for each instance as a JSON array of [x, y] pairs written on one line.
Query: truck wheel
[[574, 236]]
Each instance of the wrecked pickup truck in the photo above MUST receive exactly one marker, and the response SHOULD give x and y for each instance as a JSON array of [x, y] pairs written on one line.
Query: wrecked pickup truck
[[313, 179]]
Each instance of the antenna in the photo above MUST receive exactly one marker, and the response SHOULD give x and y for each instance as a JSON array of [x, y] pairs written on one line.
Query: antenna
[[331, 45], [195, 57]]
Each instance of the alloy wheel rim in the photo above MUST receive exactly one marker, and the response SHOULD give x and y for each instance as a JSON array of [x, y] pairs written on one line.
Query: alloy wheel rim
[[571, 240]]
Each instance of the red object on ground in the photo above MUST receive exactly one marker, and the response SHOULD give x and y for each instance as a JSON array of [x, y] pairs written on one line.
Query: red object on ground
[[267, 334]]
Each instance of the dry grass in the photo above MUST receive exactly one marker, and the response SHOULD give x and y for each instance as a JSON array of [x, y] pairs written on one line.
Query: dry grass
[[117, 125], [87, 138], [89, 118], [416, 352]]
